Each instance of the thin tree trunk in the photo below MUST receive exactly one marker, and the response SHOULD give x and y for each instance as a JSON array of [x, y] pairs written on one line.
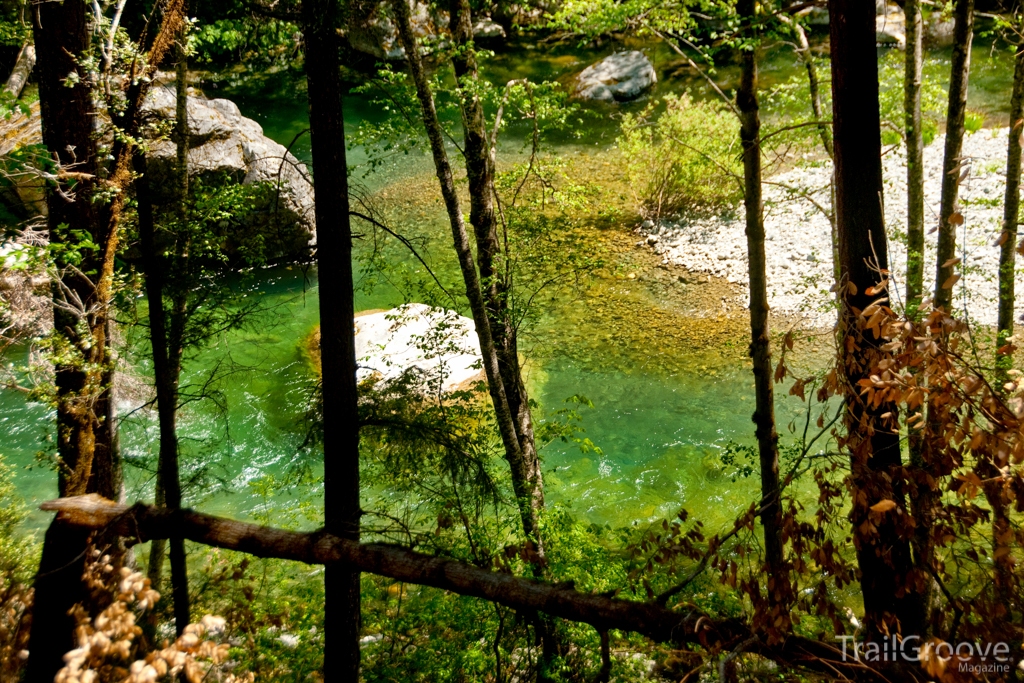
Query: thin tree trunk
[[915, 157], [22, 70], [760, 345], [1011, 212], [165, 346], [527, 479], [61, 34], [342, 512], [1002, 532], [922, 498], [474, 293], [949, 212], [883, 554]]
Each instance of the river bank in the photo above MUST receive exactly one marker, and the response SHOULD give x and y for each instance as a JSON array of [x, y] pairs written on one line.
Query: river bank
[[798, 234]]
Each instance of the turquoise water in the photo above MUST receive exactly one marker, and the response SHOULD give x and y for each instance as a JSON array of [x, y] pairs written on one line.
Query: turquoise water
[[660, 429]]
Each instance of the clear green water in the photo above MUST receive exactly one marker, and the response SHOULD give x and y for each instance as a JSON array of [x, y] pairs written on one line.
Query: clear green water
[[658, 424]]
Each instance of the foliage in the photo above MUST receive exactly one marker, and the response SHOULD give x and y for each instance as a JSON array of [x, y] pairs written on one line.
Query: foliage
[[18, 559], [248, 39], [684, 161], [890, 100]]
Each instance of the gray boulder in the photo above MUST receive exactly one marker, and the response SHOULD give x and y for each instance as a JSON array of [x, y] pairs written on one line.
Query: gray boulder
[[224, 146], [938, 32], [891, 26], [618, 77]]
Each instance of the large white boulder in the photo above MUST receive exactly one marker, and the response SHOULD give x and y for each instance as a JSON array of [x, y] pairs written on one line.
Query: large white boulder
[[618, 77], [437, 344]]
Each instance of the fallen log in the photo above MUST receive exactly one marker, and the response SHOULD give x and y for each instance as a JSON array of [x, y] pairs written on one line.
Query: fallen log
[[690, 627]]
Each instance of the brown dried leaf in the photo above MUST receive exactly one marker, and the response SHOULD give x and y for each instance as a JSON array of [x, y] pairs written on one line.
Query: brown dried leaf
[[883, 506], [950, 281], [956, 219]]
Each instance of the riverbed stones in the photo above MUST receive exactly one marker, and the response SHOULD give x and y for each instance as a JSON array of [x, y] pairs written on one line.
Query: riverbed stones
[[438, 348], [618, 77], [798, 233]]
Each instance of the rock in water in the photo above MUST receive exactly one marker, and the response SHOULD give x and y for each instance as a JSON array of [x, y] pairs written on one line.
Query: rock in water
[[438, 345], [891, 26], [223, 145], [618, 77]]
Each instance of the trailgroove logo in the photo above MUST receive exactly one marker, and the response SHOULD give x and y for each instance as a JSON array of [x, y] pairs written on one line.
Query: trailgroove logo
[[971, 657]]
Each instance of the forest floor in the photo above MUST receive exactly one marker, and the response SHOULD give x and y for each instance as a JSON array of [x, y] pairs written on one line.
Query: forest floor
[[798, 233]]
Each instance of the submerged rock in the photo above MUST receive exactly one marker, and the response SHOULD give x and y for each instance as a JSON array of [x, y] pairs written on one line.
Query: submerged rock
[[618, 77], [438, 345]]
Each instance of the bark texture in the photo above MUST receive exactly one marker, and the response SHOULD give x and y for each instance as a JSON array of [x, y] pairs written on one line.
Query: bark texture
[[1011, 209], [883, 551], [85, 444], [22, 70], [913, 62], [527, 479], [320, 19], [760, 345], [953, 167]]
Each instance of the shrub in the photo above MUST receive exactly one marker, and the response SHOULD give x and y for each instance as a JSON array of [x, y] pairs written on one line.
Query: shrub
[[18, 559], [687, 160]]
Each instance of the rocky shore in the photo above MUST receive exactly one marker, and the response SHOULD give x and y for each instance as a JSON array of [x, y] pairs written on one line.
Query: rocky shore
[[798, 233]]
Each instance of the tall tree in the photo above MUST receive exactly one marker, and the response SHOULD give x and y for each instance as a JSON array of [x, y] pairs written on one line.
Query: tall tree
[[166, 334], [320, 23], [495, 277], [872, 431], [953, 166], [61, 34], [760, 343], [84, 236], [525, 475], [1011, 204], [912, 133]]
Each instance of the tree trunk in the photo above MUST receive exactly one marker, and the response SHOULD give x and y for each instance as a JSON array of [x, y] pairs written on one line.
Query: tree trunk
[[922, 498], [873, 442], [760, 347], [1011, 213], [320, 19], [22, 70], [166, 348], [84, 443], [474, 293], [915, 157], [527, 479], [949, 212]]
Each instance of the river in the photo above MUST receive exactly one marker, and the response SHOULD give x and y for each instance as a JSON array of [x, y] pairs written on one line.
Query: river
[[670, 389]]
